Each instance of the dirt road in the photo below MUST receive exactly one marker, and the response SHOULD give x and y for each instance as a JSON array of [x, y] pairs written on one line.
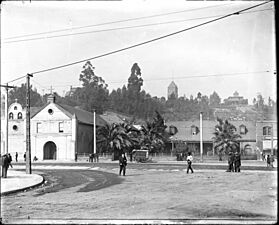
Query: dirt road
[[153, 194]]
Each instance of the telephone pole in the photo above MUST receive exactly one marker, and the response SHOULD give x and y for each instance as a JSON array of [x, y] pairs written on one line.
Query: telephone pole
[[201, 141], [94, 121], [7, 116], [28, 141]]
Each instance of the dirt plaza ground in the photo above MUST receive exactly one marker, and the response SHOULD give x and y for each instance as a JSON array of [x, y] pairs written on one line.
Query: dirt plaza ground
[[155, 194]]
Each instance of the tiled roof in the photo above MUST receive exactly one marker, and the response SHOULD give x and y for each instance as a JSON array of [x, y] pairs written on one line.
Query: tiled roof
[[185, 134], [82, 115]]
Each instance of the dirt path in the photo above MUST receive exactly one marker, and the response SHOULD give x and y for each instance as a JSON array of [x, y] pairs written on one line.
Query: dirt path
[[147, 194]]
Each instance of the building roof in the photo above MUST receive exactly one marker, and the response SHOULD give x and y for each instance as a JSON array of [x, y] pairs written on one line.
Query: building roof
[[172, 84], [112, 117], [82, 115], [185, 133]]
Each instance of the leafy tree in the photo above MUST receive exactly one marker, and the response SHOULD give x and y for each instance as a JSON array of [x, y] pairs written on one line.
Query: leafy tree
[[94, 93], [225, 139], [19, 93], [135, 83], [214, 99]]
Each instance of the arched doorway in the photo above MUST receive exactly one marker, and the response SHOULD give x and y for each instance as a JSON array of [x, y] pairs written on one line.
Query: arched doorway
[[50, 150]]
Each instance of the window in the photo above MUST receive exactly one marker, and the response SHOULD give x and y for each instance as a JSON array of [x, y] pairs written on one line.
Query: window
[[267, 130], [15, 108], [50, 111], [39, 127], [61, 127], [194, 130], [242, 129], [11, 116], [19, 115], [15, 127]]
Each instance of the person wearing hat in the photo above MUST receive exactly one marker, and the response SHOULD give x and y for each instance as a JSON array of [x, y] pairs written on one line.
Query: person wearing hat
[[237, 162]]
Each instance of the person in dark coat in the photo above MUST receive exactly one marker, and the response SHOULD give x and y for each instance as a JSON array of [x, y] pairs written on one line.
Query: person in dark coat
[[230, 162], [76, 157], [10, 160], [16, 155], [237, 162], [122, 164], [24, 156], [5, 165]]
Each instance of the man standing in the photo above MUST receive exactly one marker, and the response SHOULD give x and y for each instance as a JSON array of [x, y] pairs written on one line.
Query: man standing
[[230, 162], [189, 162], [237, 162], [16, 155], [122, 164]]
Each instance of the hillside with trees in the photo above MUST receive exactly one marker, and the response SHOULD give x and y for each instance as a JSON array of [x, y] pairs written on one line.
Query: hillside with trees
[[131, 99]]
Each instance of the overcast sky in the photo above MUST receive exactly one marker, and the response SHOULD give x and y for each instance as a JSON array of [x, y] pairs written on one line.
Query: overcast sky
[[240, 48]]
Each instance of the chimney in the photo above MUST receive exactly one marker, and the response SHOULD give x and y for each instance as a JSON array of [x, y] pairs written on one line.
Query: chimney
[[51, 98]]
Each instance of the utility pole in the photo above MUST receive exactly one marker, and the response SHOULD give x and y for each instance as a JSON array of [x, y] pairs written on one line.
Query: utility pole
[[7, 116], [28, 141], [272, 153], [201, 143], [94, 140]]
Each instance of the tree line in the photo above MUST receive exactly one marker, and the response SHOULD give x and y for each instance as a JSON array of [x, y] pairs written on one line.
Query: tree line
[[131, 99]]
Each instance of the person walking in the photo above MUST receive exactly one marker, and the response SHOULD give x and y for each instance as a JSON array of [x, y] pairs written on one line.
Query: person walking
[[16, 155], [122, 164], [189, 162], [76, 157], [24, 156], [237, 162]]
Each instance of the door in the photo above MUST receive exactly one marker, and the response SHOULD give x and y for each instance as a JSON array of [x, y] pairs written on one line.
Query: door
[[50, 150]]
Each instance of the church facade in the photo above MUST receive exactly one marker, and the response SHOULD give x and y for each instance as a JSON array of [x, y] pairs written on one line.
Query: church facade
[[58, 131]]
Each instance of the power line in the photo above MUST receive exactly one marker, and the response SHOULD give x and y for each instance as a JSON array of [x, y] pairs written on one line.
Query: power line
[[146, 42], [199, 76], [149, 41], [121, 28], [113, 22]]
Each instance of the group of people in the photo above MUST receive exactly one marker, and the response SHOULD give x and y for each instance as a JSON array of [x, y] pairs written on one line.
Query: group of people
[[234, 161], [6, 160], [94, 157]]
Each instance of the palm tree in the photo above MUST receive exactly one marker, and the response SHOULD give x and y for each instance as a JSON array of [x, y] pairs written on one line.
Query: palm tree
[[114, 137], [226, 139]]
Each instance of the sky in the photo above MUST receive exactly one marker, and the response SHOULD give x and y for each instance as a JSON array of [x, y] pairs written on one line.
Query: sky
[[236, 53]]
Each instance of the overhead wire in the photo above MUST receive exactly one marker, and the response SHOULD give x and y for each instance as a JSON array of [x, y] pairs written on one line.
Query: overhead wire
[[149, 41], [122, 28], [152, 40], [117, 21]]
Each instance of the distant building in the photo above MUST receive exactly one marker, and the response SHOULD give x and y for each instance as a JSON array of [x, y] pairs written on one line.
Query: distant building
[[267, 136], [71, 92], [189, 132], [172, 90], [235, 100]]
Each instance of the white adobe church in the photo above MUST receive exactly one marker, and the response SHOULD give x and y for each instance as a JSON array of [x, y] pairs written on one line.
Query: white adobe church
[[57, 131]]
